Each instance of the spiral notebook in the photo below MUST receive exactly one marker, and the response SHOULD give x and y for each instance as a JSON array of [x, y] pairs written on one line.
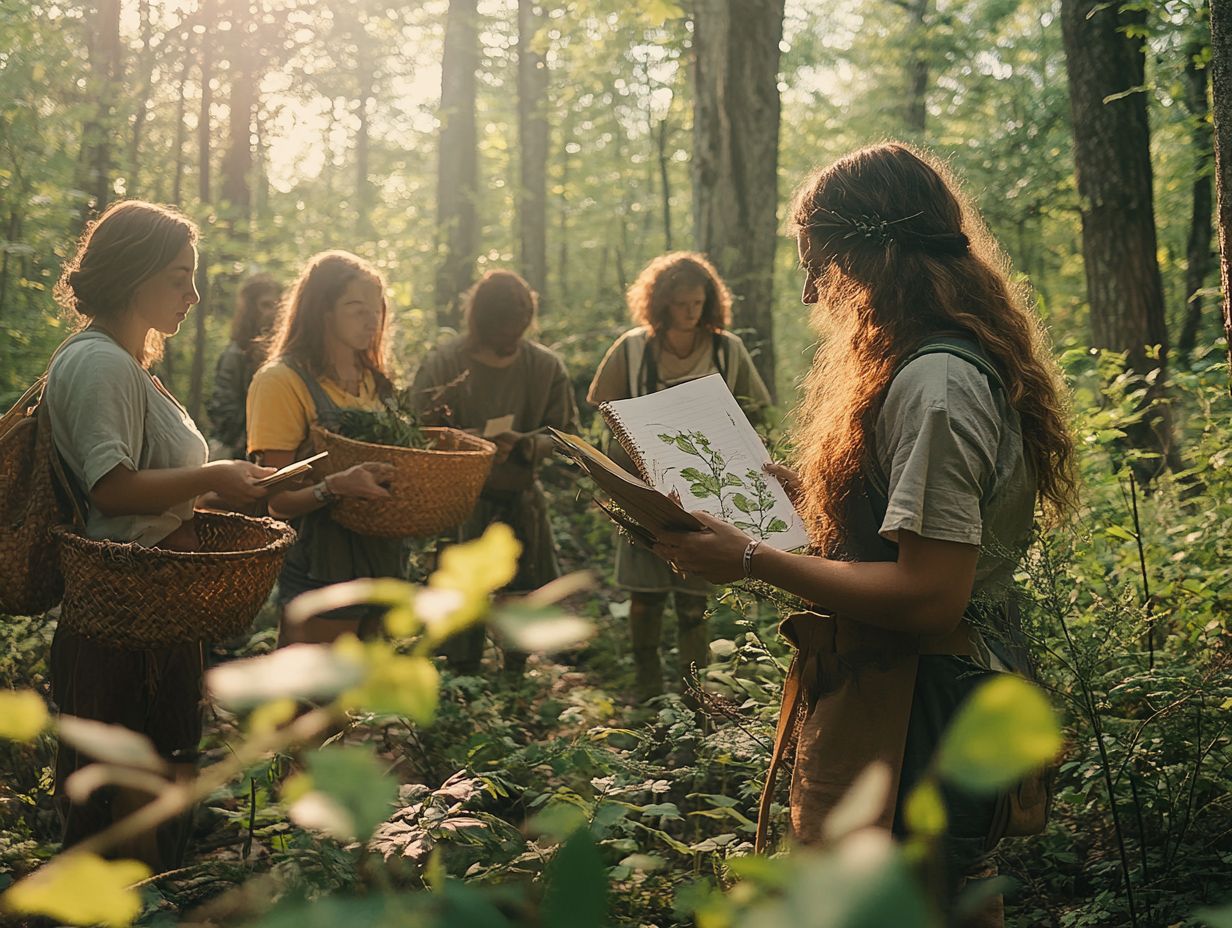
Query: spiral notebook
[[695, 448]]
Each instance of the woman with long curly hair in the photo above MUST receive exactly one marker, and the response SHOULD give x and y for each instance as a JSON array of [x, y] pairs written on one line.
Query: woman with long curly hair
[[931, 425], [682, 309]]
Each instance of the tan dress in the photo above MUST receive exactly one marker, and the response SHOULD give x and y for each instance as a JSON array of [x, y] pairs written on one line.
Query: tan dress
[[626, 371]]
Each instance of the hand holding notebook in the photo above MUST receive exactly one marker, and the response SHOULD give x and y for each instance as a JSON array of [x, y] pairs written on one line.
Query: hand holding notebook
[[692, 444]]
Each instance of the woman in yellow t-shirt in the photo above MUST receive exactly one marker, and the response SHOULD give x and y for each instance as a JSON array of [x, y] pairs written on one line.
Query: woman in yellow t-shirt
[[326, 355]]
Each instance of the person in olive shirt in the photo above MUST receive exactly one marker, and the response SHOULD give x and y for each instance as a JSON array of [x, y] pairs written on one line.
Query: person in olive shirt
[[477, 381]]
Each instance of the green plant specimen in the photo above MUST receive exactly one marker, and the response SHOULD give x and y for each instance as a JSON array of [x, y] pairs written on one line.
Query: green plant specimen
[[755, 503]]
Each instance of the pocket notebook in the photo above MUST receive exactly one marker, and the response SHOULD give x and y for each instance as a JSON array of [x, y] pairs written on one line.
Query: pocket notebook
[[694, 444]]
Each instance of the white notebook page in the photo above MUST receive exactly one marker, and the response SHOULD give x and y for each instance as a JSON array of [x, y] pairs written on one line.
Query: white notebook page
[[690, 415]]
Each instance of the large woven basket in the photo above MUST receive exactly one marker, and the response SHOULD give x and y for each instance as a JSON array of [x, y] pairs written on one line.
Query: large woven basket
[[433, 489], [140, 597]]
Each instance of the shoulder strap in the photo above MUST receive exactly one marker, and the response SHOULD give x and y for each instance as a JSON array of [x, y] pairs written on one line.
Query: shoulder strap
[[719, 345], [960, 345], [634, 347], [325, 406]]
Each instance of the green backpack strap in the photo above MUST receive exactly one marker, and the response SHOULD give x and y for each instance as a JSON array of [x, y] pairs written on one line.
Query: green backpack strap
[[877, 481]]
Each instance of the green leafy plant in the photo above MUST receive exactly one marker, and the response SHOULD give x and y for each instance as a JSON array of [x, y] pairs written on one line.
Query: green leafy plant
[[748, 495]]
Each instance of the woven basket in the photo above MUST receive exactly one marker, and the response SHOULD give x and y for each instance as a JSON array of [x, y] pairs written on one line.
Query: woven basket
[[35, 495], [139, 597], [433, 488]]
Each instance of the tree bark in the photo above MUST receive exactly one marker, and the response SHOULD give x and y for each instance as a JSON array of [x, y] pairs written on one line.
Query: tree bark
[[533, 145], [106, 66], [1112, 161], [736, 110], [208, 17], [181, 125], [236, 166], [665, 187], [1198, 249], [1221, 107], [458, 162], [141, 109], [915, 114]]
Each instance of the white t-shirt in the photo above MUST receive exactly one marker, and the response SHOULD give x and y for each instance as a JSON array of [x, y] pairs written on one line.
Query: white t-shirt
[[106, 410]]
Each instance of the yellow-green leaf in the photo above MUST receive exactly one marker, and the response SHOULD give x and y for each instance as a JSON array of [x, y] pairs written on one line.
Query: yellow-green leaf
[[924, 812], [1005, 730], [23, 714], [396, 683], [483, 565], [81, 889]]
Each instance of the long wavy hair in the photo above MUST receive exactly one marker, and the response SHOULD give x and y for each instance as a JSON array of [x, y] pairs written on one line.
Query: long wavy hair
[[127, 245], [651, 294], [896, 254], [299, 334]]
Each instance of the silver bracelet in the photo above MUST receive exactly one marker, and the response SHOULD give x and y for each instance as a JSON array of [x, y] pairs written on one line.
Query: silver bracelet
[[748, 557], [322, 493]]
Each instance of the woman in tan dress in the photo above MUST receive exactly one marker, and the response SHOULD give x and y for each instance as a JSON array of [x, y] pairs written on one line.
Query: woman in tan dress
[[931, 425], [682, 309]]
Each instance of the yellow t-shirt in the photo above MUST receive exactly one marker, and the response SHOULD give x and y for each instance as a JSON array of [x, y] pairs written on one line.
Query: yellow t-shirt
[[280, 408]]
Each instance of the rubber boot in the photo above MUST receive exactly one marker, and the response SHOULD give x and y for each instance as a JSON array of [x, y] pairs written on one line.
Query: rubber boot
[[692, 643], [464, 651], [645, 636]]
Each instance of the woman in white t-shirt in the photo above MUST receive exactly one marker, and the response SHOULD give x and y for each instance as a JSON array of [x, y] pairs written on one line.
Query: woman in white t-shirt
[[140, 462]]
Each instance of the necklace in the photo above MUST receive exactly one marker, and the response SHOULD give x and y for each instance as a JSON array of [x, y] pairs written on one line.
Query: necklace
[[667, 343]]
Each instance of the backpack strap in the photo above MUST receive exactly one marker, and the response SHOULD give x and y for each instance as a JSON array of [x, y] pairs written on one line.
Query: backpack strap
[[327, 410], [961, 345]]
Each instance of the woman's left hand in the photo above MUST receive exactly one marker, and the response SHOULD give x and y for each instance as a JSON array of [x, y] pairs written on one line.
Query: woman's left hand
[[716, 553]]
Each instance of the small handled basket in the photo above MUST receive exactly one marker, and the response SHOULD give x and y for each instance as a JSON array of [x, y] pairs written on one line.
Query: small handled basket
[[139, 597], [433, 489]]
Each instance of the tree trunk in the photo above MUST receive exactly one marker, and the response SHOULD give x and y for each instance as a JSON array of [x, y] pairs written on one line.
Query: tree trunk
[[915, 115], [533, 145], [1198, 249], [105, 67], [458, 162], [665, 184], [1221, 100], [208, 15], [181, 125], [236, 167], [735, 156], [141, 109], [1112, 161]]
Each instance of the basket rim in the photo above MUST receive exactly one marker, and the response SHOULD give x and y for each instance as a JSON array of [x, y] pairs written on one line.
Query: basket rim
[[485, 449], [285, 537]]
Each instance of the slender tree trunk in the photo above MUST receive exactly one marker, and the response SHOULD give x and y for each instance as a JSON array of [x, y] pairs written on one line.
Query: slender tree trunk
[[208, 16], [1221, 106], [562, 251], [736, 110], [141, 111], [915, 114], [533, 146], [196, 385], [665, 185], [261, 181], [458, 162], [181, 125], [236, 166], [1112, 160], [1198, 249], [106, 65]]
